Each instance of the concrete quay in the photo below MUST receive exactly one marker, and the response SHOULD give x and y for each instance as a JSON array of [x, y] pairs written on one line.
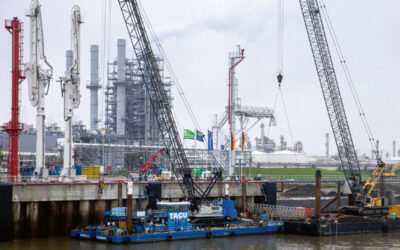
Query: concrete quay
[[50, 209]]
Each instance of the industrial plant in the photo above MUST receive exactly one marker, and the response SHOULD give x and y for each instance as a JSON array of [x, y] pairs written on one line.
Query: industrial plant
[[133, 174]]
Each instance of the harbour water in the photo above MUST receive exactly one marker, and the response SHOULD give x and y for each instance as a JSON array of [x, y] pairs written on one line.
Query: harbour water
[[364, 241]]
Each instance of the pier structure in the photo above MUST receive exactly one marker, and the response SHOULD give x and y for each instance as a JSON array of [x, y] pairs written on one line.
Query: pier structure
[[49, 209]]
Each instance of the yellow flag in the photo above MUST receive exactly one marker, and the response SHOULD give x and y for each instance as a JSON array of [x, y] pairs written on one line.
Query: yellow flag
[[233, 142], [243, 140]]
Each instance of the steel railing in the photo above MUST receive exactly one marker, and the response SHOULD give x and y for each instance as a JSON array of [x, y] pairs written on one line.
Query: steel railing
[[283, 212]]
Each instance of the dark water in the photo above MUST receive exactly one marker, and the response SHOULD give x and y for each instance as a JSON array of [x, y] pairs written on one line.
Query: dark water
[[366, 241]]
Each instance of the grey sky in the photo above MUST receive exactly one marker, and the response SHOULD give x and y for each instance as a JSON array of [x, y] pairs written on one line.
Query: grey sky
[[197, 37]]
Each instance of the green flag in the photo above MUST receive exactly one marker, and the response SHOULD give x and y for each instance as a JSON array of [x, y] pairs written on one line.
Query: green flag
[[188, 134]]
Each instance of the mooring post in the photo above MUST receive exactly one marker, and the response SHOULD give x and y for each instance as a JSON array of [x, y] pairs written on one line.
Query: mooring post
[[244, 196], [318, 176], [119, 194], [129, 207], [338, 195]]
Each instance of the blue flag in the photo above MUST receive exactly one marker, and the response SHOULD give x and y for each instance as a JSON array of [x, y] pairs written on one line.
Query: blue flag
[[199, 136], [210, 141]]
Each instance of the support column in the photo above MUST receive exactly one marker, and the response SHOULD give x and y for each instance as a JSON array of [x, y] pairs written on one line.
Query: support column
[[119, 194], [121, 84], [338, 195], [244, 196], [318, 176]]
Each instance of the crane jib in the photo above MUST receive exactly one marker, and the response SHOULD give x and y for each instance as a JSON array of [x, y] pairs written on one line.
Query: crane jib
[[160, 103], [333, 100]]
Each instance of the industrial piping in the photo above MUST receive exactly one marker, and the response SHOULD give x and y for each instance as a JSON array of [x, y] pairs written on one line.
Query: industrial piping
[[229, 97], [14, 127]]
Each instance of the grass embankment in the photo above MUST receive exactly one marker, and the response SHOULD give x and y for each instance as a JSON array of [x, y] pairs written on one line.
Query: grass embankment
[[294, 171]]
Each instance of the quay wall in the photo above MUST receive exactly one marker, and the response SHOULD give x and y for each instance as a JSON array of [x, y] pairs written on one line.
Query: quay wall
[[43, 209]]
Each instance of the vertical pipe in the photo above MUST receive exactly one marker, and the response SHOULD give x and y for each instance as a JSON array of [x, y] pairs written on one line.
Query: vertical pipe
[[327, 145], [13, 128], [318, 176], [94, 86], [121, 82], [68, 161], [232, 103], [394, 148]]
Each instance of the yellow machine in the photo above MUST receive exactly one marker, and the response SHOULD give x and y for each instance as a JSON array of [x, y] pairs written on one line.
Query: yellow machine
[[392, 171], [371, 183]]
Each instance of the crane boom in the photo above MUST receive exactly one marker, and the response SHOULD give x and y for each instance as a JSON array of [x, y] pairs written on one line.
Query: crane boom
[[159, 102], [333, 100]]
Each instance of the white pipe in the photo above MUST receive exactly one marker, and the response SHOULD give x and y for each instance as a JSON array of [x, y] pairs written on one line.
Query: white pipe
[[71, 91], [38, 80]]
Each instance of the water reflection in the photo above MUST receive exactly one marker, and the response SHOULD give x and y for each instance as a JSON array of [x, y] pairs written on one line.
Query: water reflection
[[295, 242]]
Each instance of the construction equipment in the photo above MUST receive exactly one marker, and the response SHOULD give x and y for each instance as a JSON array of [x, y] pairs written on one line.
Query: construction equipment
[[160, 104], [337, 116], [145, 167], [38, 81], [70, 86], [392, 170]]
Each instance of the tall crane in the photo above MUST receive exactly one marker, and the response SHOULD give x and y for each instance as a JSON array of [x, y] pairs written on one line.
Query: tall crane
[[334, 105], [38, 80], [160, 104], [71, 90]]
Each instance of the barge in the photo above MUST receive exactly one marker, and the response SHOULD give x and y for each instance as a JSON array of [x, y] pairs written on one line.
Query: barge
[[171, 222]]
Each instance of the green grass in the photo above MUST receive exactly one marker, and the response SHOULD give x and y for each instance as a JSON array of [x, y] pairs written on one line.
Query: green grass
[[289, 171], [295, 171]]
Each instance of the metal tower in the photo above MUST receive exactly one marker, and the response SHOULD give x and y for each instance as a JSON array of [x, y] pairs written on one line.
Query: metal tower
[[14, 127], [235, 110], [94, 86]]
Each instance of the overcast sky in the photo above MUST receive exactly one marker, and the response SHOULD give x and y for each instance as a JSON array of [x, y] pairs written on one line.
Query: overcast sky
[[197, 37]]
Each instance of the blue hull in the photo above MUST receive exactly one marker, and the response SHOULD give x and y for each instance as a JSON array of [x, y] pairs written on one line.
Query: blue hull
[[272, 227]]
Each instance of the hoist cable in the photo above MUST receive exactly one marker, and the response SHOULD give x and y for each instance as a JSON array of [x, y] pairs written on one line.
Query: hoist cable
[[348, 77]]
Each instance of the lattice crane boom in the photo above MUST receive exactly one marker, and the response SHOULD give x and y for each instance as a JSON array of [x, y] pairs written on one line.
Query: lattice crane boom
[[333, 100], [160, 103]]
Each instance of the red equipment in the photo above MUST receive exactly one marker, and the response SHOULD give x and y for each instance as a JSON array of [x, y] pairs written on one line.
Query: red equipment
[[13, 128], [144, 166]]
